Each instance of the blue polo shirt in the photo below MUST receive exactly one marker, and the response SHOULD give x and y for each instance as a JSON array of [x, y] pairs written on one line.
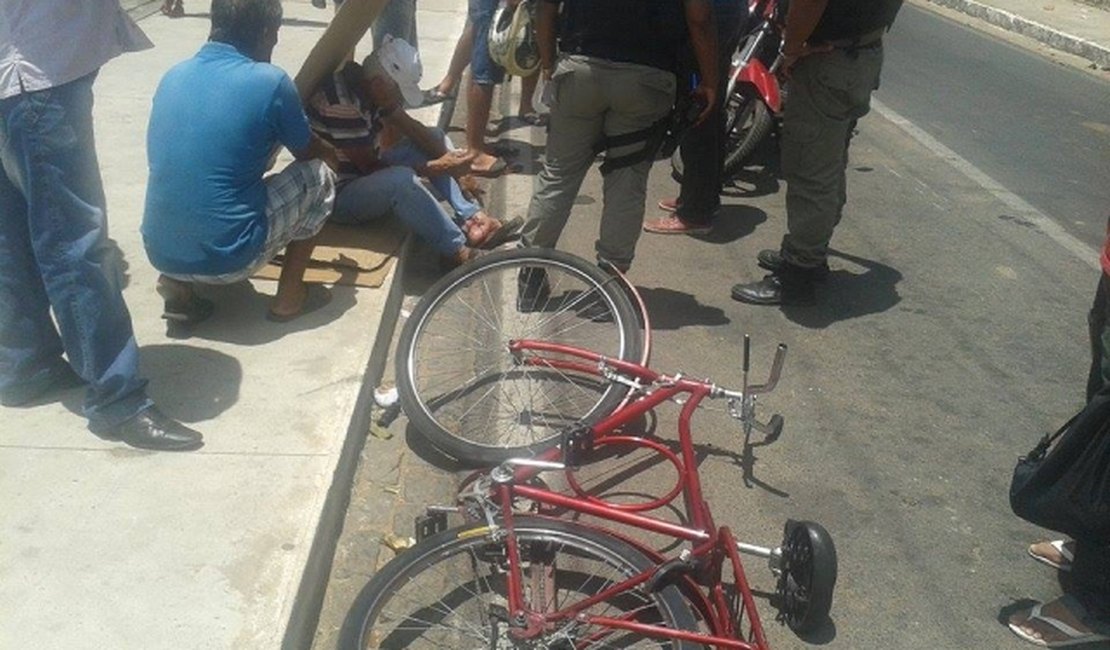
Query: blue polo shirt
[[216, 119]]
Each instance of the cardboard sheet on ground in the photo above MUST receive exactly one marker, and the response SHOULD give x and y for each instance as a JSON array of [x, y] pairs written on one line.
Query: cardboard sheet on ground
[[349, 255]]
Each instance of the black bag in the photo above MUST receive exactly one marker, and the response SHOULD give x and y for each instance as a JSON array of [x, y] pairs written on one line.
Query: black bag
[[1064, 483]]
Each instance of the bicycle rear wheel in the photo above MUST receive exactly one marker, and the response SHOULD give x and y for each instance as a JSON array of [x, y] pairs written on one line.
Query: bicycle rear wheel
[[450, 591], [461, 387]]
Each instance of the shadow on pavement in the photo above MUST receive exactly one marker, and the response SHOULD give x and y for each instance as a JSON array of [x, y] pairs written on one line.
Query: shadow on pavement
[[240, 315], [734, 222], [671, 310], [187, 383], [845, 295], [191, 384]]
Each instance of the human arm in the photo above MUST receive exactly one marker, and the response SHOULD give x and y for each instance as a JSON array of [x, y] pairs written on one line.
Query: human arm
[[320, 149], [545, 36], [801, 20], [703, 40], [441, 160]]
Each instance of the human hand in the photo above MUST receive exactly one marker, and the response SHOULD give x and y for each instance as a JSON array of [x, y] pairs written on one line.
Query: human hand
[[791, 56], [705, 97]]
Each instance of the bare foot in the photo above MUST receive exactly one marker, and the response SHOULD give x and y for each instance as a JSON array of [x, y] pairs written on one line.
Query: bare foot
[[479, 228], [289, 300]]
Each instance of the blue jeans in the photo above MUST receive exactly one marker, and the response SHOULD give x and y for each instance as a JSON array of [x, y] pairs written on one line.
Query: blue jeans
[[399, 191], [444, 186], [55, 253]]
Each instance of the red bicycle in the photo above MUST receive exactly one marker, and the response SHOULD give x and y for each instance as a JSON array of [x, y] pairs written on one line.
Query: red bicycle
[[517, 576]]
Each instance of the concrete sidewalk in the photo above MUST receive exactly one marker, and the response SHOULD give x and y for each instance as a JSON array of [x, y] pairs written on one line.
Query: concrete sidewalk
[[1065, 25], [103, 546]]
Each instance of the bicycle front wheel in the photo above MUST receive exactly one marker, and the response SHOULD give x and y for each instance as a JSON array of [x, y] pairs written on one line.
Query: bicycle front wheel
[[450, 591], [461, 387]]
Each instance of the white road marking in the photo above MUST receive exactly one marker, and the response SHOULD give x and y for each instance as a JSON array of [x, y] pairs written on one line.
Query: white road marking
[[1019, 205]]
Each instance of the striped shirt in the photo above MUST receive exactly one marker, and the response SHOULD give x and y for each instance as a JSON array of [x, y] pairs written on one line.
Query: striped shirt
[[339, 116]]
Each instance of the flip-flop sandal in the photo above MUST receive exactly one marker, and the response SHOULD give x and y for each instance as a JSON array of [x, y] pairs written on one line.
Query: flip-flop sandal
[[508, 231], [495, 170], [433, 96], [189, 312], [177, 10], [1073, 636], [317, 298], [1061, 547]]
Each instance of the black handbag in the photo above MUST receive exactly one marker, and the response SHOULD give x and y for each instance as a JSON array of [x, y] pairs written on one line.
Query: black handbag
[[1063, 484]]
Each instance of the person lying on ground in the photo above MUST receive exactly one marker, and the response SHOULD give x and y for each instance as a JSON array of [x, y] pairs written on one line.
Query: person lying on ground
[[383, 152], [211, 217]]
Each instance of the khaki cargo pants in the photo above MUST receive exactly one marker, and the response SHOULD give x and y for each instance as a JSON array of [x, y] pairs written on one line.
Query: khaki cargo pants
[[595, 98], [827, 93]]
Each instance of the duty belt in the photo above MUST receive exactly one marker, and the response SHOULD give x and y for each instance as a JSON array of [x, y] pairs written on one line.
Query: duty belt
[[873, 38]]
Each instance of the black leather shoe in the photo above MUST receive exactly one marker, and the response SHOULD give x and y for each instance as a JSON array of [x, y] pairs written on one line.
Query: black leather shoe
[[771, 259], [152, 429], [784, 287]]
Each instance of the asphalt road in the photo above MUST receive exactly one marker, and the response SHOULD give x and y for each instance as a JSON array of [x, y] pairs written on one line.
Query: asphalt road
[[1039, 127], [950, 335]]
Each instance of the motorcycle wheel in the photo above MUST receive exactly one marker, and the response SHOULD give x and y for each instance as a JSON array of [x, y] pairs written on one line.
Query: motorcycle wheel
[[747, 122]]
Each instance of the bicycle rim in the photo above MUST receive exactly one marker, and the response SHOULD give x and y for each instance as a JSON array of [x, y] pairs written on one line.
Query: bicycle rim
[[463, 389], [450, 592]]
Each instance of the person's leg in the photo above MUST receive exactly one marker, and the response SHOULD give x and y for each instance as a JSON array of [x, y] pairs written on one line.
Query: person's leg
[[52, 133], [484, 75], [31, 361], [398, 19], [828, 93], [700, 196], [527, 93], [638, 97], [398, 190], [444, 186], [1098, 377], [577, 120], [298, 202], [460, 58], [1091, 580]]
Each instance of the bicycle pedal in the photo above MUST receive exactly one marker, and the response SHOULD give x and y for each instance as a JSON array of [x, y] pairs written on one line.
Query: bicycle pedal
[[429, 524]]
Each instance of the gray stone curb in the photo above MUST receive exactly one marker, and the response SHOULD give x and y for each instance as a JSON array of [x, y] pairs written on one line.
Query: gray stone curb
[[1054, 38]]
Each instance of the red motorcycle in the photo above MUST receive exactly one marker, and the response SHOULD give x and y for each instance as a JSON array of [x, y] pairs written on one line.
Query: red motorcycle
[[753, 97]]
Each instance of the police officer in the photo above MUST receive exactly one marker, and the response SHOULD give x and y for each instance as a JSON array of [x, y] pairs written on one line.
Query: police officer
[[833, 53], [613, 81]]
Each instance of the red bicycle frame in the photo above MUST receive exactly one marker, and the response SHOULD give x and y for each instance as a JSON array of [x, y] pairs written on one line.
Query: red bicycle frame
[[711, 547]]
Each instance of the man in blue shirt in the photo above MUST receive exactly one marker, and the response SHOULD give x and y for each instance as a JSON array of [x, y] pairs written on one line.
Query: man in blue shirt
[[210, 216]]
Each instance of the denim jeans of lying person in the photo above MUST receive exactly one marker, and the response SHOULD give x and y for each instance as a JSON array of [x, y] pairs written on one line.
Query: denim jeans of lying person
[[55, 255]]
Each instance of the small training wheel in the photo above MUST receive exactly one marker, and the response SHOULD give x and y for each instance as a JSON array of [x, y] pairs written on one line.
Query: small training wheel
[[807, 578]]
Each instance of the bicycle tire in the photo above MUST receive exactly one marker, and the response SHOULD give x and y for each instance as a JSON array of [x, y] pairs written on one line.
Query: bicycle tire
[[460, 386], [451, 584], [808, 579]]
